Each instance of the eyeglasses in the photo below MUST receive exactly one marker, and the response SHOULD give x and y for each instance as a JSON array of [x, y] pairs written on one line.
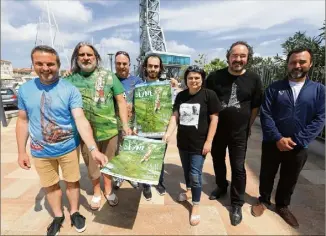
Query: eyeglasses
[[122, 53]]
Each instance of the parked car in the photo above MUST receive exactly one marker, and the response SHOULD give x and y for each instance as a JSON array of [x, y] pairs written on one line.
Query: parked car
[[9, 97]]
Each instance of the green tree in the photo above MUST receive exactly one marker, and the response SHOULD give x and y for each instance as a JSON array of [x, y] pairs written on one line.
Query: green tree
[[215, 64], [322, 29], [201, 61]]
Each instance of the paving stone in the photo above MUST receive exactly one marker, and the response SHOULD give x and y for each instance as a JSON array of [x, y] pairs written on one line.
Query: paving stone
[[25, 210], [17, 188], [314, 176]]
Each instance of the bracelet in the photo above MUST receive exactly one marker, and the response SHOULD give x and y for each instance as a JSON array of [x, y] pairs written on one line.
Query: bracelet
[[91, 148], [125, 124]]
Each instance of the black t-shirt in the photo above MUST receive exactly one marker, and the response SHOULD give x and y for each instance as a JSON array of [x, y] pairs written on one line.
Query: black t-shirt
[[194, 111], [238, 95]]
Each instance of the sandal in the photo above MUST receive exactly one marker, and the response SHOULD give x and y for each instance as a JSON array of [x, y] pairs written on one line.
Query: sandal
[[194, 220], [183, 197], [95, 203], [112, 199]]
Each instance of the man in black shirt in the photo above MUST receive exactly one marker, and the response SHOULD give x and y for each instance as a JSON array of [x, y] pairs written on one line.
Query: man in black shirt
[[240, 92]]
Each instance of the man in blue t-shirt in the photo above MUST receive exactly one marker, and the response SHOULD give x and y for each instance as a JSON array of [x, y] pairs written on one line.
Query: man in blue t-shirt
[[122, 67], [51, 114]]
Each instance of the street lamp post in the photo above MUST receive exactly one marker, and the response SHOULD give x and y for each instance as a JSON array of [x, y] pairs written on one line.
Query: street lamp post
[[110, 56]]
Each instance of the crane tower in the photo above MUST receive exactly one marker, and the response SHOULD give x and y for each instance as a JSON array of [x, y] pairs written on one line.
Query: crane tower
[[152, 40]]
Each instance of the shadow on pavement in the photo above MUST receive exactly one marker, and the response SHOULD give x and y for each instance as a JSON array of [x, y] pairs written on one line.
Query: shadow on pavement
[[124, 214], [175, 177]]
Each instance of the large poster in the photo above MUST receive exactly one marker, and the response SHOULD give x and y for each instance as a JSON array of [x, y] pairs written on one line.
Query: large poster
[[139, 159], [153, 108]]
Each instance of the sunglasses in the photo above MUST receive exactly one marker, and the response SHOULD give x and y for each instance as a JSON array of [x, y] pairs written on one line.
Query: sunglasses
[[122, 53], [195, 68]]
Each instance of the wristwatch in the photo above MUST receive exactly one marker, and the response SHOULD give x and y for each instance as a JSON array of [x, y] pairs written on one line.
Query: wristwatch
[[91, 148]]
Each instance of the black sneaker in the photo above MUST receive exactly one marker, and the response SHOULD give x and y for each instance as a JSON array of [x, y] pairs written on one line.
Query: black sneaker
[[54, 227], [117, 183], [78, 221], [160, 189], [147, 192]]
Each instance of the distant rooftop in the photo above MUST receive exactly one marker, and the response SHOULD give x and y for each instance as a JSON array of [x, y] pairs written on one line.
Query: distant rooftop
[[5, 61]]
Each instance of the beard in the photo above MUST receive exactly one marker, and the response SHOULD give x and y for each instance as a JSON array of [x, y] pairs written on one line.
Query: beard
[[237, 66], [87, 67], [297, 73], [123, 74], [152, 75]]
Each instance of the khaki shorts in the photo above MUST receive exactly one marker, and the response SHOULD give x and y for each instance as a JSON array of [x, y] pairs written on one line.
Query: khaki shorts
[[108, 147], [48, 168]]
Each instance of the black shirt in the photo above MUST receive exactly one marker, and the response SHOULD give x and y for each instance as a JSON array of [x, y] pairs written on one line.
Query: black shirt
[[238, 95], [194, 111]]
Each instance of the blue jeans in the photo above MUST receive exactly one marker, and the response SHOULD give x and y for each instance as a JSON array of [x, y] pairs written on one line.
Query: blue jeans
[[192, 165]]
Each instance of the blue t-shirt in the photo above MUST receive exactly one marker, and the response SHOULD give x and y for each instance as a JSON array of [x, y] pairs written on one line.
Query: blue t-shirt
[[129, 86], [52, 128]]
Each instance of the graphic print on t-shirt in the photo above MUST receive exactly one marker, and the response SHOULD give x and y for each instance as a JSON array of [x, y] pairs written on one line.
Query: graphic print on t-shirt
[[189, 114], [99, 88], [51, 131], [233, 101]]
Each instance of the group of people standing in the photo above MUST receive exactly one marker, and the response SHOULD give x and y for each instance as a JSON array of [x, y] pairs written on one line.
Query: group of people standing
[[211, 115]]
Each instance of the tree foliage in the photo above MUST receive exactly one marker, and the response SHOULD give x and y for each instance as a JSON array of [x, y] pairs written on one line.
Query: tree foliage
[[275, 67], [214, 64]]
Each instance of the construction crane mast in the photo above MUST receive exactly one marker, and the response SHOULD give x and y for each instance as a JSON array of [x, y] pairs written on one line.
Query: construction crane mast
[[152, 40], [151, 33], [48, 31]]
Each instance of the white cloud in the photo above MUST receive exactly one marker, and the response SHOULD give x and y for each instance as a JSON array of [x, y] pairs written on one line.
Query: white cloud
[[174, 46], [231, 15], [22, 33], [256, 54], [124, 33], [110, 22], [102, 3], [113, 44], [10, 10], [215, 53], [266, 43], [66, 10]]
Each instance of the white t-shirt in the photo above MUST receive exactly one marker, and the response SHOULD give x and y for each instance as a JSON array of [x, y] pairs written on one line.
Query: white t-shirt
[[296, 87]]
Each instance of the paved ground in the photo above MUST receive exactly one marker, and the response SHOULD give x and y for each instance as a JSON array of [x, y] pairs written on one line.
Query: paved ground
[[24, 210]]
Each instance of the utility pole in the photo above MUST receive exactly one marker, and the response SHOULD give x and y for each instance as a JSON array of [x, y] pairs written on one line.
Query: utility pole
[[110, 56], [2, 114], [135, 72]]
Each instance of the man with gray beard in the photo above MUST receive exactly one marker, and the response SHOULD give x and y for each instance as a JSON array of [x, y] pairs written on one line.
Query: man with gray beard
[[99, 87], [240, 92]]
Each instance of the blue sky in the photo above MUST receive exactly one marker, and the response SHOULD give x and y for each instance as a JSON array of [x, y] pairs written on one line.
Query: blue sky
[[190, 27]]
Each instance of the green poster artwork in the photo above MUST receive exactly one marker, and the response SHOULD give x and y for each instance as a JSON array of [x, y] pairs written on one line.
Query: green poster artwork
[[153, 108], [140, 159]]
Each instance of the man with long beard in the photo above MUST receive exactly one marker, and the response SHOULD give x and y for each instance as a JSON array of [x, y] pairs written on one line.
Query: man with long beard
[[240, 92], [99, 87], [292, 115]]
